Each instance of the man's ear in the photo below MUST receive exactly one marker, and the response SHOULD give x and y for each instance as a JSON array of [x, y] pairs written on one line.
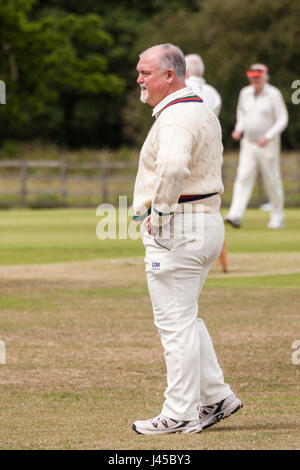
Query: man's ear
[[170, 76]]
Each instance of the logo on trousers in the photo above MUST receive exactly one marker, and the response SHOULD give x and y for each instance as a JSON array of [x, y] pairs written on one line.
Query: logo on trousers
[[155, 265]]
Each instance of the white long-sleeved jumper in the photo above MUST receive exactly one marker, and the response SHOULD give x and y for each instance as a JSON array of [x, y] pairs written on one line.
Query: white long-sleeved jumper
[[182, 155]]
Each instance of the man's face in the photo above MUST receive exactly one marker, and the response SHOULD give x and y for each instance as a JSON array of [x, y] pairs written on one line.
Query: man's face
[[257, 83], [154, 83]]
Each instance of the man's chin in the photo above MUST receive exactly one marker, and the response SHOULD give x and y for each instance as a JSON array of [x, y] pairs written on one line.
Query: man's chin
[[144, 97]]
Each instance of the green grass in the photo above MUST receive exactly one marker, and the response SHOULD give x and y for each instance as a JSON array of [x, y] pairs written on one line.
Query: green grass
[[59, 235], [255, 237], [256, 282], [84, 359], [53, 235]]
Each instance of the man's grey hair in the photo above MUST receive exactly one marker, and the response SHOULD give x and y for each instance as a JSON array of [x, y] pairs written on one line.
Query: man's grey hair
[[195, 65], [171, 57]]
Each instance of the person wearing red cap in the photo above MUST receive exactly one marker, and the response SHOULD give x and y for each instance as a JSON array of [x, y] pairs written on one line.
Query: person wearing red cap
[[261, 118]]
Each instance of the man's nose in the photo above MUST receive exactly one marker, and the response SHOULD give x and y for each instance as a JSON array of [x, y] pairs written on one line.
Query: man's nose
[[140, 78]]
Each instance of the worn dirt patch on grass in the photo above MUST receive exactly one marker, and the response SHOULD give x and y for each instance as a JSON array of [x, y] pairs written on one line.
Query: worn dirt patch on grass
[[130, 269]]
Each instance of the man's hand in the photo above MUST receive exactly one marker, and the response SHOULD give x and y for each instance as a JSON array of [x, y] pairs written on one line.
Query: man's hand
[[149, 225], [262, 141], [236, 135]]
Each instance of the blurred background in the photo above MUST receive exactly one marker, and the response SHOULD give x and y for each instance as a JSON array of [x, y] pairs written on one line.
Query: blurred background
[[73, 123]]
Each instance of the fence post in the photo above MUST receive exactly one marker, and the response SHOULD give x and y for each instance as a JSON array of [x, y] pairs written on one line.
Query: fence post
[[63, 181], [103, 177], [23, 183]]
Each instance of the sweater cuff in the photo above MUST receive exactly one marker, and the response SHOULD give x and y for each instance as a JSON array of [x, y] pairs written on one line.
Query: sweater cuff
[[161, 214], [270, 134], [238, 128]]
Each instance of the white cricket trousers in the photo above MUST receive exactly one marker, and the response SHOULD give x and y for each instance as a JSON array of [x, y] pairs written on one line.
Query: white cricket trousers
[[176, 271], [267, 159]]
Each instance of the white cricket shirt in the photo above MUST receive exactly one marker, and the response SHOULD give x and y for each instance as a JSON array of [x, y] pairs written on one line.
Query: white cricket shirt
[[262, 115]]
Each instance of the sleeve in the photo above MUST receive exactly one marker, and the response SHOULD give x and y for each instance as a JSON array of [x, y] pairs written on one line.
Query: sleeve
[[281, 116], [175, 146], [239, 114], [217, 104]]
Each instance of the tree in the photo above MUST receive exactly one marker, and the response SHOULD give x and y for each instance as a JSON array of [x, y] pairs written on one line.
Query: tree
[[58, 83], [230, 35]]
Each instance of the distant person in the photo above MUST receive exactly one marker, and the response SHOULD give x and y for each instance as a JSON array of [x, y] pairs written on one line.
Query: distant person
[[261, 118], [194, 78]]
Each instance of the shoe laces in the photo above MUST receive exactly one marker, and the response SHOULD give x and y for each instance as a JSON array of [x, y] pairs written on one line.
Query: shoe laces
[[162, 421]]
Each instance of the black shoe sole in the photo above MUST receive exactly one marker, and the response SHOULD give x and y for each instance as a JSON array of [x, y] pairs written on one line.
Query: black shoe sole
[[134, 428], [172, 432]]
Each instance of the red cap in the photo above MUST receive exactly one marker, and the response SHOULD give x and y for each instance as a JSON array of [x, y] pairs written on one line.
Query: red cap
[[257, 70]]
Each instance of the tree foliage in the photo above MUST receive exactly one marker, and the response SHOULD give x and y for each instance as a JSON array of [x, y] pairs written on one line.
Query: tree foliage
[[56, 71], [69, 66], [229, 36]]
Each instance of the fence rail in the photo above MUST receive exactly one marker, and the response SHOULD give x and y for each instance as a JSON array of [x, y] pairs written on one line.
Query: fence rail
[[33, 182], [26, 179]]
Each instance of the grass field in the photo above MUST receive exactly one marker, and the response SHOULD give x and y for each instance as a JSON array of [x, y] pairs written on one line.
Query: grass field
[[84, 360]]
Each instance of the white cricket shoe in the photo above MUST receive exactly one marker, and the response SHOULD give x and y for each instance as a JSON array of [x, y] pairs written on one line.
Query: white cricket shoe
[[275, 223], [236, 223], [163, 425], [212, 414]]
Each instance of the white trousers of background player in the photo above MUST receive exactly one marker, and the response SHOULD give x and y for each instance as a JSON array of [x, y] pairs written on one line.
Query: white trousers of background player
[[267, 160], [176, 271]]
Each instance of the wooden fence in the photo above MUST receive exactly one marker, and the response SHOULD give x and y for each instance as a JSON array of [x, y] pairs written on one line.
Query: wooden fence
[[27, 173], [89, 183]]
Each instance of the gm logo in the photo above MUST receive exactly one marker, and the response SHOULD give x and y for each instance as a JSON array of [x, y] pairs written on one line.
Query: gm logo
[[155, 265], [2, 93]]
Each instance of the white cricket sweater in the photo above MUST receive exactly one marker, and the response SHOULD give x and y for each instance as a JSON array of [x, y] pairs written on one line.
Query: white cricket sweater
[[181, 155], [207, 92]]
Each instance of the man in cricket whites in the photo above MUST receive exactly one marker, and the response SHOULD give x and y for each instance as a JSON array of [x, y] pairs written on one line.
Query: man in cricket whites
[[177, 200], [261, 118], [194, 78]]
